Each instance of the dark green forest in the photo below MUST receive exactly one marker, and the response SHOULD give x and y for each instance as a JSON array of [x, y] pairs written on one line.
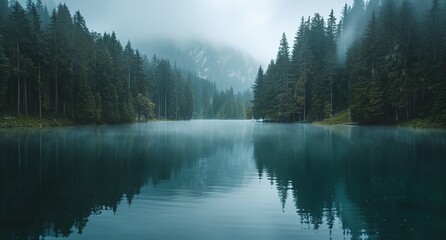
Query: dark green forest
[[384, 60], [52, 65]]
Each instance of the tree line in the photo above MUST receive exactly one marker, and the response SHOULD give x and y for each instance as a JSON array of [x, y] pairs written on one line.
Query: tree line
[[196, 97], [53, 65], [225, 104], [384, 60]]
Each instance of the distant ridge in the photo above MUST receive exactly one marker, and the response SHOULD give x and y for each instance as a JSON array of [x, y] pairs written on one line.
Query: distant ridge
[[225, 66]]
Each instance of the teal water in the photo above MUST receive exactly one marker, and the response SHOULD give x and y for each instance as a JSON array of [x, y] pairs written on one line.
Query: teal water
[[222, 180]]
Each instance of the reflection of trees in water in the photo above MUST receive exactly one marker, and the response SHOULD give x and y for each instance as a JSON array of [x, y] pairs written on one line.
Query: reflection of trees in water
[[386, 182], [399, 182], [286, 159], [53, 180]]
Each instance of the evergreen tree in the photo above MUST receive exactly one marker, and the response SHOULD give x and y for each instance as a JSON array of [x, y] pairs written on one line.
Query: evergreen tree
[[306, 67], [284, 92], [189, 101], [319, 86], [374, 109], [433, 45], [270, 86], [86, 107], [57, 65], [259, 95], [331, 59], [406, 53], [38, 57], [17, 45], [393, 70]]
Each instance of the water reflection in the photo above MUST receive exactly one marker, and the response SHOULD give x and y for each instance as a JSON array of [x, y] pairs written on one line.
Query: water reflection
[[383, 183], [52, 180], [328, 182]]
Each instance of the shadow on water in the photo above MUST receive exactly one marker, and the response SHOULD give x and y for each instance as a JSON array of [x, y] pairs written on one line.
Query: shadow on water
[[382, 183], [53, 180]]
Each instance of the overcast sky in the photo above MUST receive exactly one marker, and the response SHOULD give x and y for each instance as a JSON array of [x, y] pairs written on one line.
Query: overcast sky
[[254, 26]]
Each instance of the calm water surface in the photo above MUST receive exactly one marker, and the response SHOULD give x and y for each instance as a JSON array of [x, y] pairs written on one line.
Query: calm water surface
[[222, 180]]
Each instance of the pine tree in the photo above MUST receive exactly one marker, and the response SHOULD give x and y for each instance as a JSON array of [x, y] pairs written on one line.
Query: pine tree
[[259, 95], [306, 68], [189, 101], [319, 87], [331, 58], [433, 47], [375, 107], [61, 49], [38, 57], [356, 84], [65, 42], [270, 86], [17, 46], [367, 99], [85, 102], [141, 84], [407, 65], [394, 88], [437, 54], [106, 85], [283, 87]]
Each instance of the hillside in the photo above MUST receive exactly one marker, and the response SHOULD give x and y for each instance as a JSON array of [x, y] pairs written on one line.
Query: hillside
[[225, 66]]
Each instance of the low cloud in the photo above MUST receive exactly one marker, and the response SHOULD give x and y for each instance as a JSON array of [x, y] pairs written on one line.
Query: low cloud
[[254, 26]]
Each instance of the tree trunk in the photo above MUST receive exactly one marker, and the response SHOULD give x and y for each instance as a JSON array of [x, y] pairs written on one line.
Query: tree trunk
[[129, 78], [26, 99], [72, 90], [414, 103], [331, 92], [56, 99], [18, 79], [159, 107], [305, 102], [408, 107], [40, 94]]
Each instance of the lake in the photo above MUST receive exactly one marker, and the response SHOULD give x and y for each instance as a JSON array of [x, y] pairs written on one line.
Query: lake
[[222, 180]]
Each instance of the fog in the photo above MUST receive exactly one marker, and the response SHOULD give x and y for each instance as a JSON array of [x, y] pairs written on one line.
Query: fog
[[254, 26]]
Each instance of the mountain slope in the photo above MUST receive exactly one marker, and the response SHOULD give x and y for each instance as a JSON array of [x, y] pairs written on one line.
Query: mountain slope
[[225, 66]]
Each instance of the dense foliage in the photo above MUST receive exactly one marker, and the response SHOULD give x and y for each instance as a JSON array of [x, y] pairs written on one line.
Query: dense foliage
[[383, 60], [195, 97], [55, 66]]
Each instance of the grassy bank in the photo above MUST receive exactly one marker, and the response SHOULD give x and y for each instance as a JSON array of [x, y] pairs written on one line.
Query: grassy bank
[[344, 118], [422, 123], [33, 122], [341, 118]]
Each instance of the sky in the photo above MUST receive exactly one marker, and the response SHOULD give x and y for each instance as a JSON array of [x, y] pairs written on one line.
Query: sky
[[254, 26]]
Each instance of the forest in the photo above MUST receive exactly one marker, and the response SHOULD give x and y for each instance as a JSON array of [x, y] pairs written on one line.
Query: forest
[[383, 61], [52, 65]]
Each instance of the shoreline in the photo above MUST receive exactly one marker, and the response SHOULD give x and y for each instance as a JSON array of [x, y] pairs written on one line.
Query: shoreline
[[9, 122], [33, 122], [414, 123], [14, 122]]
